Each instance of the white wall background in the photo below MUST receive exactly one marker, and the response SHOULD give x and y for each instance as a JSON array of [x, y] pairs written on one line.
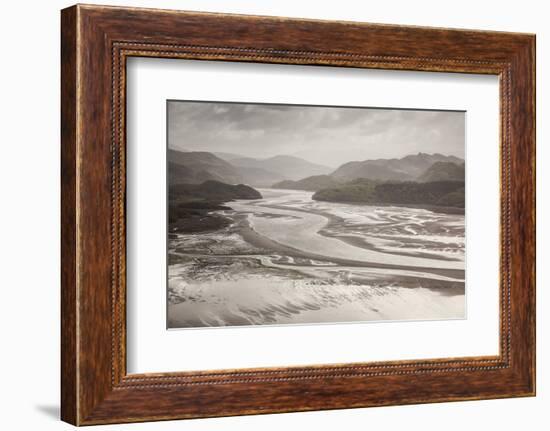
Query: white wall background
[[29, 224]]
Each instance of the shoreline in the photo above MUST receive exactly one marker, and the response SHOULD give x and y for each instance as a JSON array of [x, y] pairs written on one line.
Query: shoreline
[[429, 207]]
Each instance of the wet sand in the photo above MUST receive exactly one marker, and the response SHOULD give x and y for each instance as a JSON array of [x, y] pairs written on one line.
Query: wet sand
[[239, 276], [257, 240]]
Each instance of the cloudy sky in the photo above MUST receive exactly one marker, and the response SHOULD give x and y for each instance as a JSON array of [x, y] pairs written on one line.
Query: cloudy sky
[[325, 135]]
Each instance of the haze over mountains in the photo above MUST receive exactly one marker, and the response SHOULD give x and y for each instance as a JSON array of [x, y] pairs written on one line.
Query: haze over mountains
[[202, 181], [289, 167], [420, 167], [195, 167]]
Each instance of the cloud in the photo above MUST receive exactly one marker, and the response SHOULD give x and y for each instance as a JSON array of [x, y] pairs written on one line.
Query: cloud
[[327, 135]]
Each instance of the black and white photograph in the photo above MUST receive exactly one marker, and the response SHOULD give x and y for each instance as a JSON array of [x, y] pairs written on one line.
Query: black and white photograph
[[293, 214], [275, 215]]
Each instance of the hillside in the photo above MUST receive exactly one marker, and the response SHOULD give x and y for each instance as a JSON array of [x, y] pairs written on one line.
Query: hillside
[[437, 193], [361, 190], [195, 167], [211, 191], [312, 184], [190, 206], [443, 171], [408, 168], [179, 174], [288, 167]]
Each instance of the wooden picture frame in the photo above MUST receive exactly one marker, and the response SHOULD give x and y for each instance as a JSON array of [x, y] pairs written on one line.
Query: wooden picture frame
[[95, 43]]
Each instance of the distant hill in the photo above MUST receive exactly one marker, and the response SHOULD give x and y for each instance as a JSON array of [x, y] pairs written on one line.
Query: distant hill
[[360, 190], [438, 193], [178, 174], [312, 184], [195, 167], [443, 171], [192, 207], [212, 191], [408, 168], [288, 167]]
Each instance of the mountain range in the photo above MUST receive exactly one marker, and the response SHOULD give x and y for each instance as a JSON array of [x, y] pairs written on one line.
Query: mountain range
[[420, 167], [419, 180], [195, 167], [289, 172], [287, 167], [408, 168], [203, 178]]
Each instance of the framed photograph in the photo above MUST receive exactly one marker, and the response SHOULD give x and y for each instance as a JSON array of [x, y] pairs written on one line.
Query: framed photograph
[[263, 214], [329, 234]]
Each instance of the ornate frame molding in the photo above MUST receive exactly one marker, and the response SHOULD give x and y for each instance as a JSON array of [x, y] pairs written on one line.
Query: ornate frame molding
[[96, 41]]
